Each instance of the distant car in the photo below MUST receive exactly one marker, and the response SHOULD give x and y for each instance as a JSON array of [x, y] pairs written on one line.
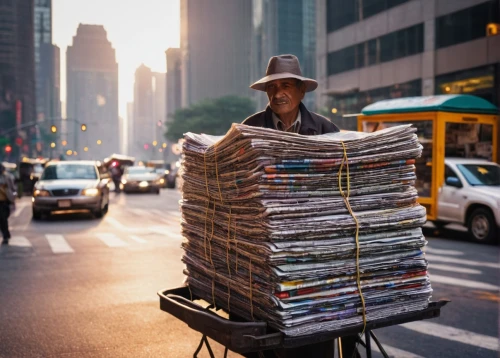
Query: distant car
[[71, 185], [163, 176], [140, 179], [470, 196], [29, 173]]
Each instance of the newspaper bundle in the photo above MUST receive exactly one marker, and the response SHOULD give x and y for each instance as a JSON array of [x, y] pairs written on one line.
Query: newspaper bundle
[[272, 222]]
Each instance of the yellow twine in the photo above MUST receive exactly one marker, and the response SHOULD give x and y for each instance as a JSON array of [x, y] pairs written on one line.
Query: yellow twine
[[251, 291], [228, 243], [348, 205], [217, 172]]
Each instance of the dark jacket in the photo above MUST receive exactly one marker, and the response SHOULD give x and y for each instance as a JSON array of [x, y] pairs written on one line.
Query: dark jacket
[[310, 123]]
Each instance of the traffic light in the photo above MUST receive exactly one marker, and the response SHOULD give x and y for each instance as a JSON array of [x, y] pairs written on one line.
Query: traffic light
[[146, 146], [53, 129], [19, 141], [8, 148], [83, 127]]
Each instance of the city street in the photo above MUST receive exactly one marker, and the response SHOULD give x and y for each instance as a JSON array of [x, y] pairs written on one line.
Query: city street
[[75, 286]]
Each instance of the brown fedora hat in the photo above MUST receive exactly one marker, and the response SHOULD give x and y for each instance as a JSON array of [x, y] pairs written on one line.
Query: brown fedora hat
[[284, 66]]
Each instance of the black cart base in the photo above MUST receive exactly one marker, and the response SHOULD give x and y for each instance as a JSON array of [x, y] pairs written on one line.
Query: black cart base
[[245, 337]]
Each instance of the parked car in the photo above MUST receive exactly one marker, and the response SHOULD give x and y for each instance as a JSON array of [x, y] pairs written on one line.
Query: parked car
[[71, 185], [140, 179], [470, 196]]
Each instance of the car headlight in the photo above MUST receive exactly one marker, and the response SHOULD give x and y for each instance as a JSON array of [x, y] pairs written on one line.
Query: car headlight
[[167, 171], [124, 182], [143, 184], [90, 192], [41, 192], [162, 181]]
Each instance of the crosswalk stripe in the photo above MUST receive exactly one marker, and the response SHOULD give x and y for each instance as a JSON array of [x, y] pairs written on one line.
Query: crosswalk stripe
[[137, 239], [395, 352], [19, 241], [139, 212], [175, 213], [461, 282], [116, 223], [18, 211], [111, 240], [439, 267], [453, 334], [166, 231], [58, 244], [460, 261], [443, 252]]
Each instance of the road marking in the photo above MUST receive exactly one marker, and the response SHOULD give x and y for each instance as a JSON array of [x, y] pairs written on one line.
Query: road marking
[[18, 211], [460, 261], [461, 282], [166, 231], [137, 239], [19, 241], [439, 267], [58, 244], [395, 352], [111, 240], [116, 223], [175, 213], [139, 212], [443, 252], [453, 334]]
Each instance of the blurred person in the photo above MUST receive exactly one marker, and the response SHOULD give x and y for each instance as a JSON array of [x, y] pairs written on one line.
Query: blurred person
[[116, 176], [7, 199], [285, 87]]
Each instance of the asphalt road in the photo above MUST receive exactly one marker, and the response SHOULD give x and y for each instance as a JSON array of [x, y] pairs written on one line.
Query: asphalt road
[[75, 286]]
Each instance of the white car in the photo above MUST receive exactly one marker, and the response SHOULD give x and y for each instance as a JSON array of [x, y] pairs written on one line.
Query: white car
[[470, 196], [71, 185]]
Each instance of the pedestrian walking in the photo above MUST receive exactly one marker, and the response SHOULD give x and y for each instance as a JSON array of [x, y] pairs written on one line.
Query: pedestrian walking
[[7, 199]]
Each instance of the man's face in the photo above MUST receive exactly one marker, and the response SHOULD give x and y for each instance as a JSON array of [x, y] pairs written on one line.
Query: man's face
[[284, 95]]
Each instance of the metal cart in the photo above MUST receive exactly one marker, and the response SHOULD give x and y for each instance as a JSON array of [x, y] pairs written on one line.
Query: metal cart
[[245, 337]]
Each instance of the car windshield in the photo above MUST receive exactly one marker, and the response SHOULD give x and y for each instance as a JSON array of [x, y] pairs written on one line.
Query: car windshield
[[139, 170], [480, 174], [69, 171]]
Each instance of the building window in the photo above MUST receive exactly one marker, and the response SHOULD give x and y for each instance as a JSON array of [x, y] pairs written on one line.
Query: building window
[[478, 82], [398, 44], [352, 103], [340, 13], [373, 7], [466, 25]]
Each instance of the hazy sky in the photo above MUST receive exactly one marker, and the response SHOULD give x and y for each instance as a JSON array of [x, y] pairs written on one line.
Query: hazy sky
[[139, 30]]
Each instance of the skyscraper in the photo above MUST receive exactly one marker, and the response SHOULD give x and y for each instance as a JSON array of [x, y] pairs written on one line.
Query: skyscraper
[[174, 89], [17, 75], [159, 104], [283, 27], [92, 93], [215, 48], [46, 73], [143, 126]]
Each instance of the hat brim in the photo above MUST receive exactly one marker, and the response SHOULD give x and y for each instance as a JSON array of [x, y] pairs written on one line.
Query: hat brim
[[260, 85]]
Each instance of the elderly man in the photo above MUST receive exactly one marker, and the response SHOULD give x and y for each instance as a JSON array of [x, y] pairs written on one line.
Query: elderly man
[[285, 87]]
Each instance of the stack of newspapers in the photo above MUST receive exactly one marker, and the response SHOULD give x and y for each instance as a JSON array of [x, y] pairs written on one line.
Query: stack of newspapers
[[307, 233]]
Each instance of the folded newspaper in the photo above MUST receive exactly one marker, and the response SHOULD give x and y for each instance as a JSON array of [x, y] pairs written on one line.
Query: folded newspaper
[[273, 220]]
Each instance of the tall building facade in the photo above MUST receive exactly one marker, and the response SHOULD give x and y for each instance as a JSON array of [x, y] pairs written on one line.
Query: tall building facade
[[92, 94], [46, 58], [373, 50], [215, 49], [159, 104], [174, 84], [143, 125], [283, 27], [129, 126], [17, 78]]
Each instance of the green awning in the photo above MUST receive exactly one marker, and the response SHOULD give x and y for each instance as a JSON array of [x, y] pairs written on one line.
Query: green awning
[[460, 103]]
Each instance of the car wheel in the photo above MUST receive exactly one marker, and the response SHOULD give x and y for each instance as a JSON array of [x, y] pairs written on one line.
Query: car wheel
[[37, 214], [482, 226], [157, 192], [99, 213]]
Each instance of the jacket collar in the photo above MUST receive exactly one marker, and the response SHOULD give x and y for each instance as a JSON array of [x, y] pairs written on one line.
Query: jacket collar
[[307, 124]]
